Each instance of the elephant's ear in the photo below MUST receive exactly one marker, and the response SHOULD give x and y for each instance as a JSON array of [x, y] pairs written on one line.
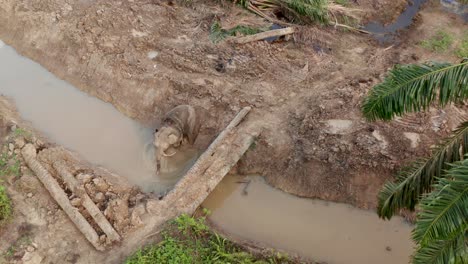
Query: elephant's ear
[[193, 126]]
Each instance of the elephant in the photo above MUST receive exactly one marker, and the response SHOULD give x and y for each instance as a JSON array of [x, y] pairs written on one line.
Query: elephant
[[179, 126]]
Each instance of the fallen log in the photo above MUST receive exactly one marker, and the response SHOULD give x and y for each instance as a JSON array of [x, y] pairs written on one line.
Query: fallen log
[[264, 35], [29, 155], [86, 201], [206, 159]]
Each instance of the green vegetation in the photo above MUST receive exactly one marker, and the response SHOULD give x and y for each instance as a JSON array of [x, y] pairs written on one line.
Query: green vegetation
[[322, 12], [5, 205], [9, 165], [188, 240], [440, 42], [462, 50], [217, 33], [438, 184]]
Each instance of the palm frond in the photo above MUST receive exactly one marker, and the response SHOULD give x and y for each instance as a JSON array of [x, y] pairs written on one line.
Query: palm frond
[[413, 87], [417, 179], [442, 224], [451, 249], [446, 208]]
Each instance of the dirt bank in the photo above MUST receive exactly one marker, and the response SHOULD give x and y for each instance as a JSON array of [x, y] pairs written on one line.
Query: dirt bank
[[145, 57]]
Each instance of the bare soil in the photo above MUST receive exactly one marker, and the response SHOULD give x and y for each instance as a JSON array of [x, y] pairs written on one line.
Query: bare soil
[[146, 57]]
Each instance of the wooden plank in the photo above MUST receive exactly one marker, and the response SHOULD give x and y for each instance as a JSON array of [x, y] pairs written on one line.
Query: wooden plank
[[264, 35]]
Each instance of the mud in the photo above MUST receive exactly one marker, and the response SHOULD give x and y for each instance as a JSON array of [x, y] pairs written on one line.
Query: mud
[[249, 209]]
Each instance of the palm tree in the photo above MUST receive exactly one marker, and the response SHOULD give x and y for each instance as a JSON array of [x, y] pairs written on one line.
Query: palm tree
[[439, 183]]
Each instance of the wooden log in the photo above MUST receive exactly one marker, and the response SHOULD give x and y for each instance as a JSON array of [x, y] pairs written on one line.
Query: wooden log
[[205, 160], [264, 35], [86, 201], [29, 155]]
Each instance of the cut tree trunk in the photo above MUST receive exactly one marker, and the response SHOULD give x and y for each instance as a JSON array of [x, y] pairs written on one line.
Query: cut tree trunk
[[29, 155], [86, 201]]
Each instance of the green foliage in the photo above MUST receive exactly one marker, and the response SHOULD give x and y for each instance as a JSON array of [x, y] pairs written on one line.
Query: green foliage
[[414, 87], [312, 11], [322, 12], [9, 165], [418, 179], [442, 226], [462, 50], [440, 42], [188, 240], [20, 132], [5, 205], [217, 33]]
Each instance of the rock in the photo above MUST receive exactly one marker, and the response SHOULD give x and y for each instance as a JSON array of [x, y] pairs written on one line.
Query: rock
[[117, 210], [102, 238], [32, 258], [90, 189], [29, 150], [17, 151], [30, 249], [339, 127], [11, 147], [101, 185], [76, 202], [153, 206], [39, 143], [99, 197], [84, 178], [414, 138], [13, 127], [19, 142], [137, 212], [383, 143], [29, 195]]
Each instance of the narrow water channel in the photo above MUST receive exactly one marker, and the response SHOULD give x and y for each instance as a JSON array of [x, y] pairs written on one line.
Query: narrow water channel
[[248, 208], [324, 231]]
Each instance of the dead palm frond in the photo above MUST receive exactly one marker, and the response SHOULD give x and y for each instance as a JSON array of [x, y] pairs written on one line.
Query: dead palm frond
[[323, 12]]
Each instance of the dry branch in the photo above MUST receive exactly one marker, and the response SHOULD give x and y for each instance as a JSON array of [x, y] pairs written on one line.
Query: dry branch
[[29, 154], [86, 201], [264, 35]]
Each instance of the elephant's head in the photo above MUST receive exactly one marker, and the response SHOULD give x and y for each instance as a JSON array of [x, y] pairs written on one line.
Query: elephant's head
[[166, 140]]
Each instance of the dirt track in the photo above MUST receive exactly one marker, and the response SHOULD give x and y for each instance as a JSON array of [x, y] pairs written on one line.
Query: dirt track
[[146, 57]]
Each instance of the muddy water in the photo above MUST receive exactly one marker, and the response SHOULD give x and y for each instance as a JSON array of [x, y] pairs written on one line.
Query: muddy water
[[92, 128], [455, 7], [389, 33], [323, 231]]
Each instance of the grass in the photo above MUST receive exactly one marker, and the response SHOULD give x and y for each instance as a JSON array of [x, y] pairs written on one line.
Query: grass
[[9, 165], [440, 42], [20, 132], [5, 205], [462, 50], [189, 240]]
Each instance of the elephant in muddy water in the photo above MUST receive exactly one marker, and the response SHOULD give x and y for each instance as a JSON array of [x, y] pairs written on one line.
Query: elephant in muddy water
[[179, 126]]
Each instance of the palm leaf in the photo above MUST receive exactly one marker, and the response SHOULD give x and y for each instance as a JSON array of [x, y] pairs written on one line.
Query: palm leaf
[[442, 224], [418, 178], [451, 249], [411, 88]]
